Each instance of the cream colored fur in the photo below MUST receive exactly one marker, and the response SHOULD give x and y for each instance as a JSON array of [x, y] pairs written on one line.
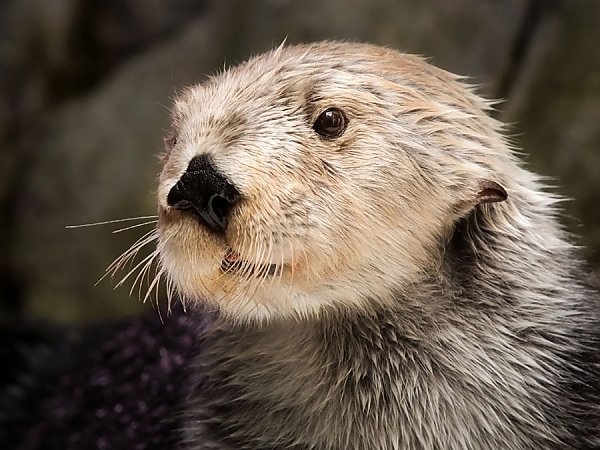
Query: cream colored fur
[[371, 334]]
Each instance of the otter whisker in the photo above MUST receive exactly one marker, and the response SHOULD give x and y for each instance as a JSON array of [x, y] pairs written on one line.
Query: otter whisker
[[263, 270], [195, 260], [245, 274], [154, 284], [159, 274], [267, 268], [280, 275], [169, 286], [151, 286], [135, 248], [120, 230], [267, 274], [230, 268], [307, 265], [131, 251], [128, 254], [239, 289], [183, 298], [251, 273], [246, 266], [151, 255], [141, 274], [129, 257], [108, 222], [303, 252], [283, 238], [292, 268], [156, 291], [139, 279]]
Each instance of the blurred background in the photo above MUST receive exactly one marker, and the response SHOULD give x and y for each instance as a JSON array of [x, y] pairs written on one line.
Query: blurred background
[[85, 88]]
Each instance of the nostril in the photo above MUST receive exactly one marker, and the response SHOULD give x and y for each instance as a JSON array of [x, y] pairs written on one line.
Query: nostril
[[177, 198], [218, 208], [204, 192]]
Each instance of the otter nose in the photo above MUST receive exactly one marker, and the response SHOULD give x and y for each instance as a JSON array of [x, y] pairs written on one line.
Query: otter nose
[[203, 191]]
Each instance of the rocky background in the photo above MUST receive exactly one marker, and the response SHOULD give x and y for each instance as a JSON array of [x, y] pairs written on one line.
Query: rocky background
[[85, 88]]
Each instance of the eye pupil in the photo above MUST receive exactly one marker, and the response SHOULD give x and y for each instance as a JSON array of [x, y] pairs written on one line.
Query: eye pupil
[[331, 123]]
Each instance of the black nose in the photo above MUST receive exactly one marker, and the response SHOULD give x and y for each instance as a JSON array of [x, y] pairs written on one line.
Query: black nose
[[203, 191]]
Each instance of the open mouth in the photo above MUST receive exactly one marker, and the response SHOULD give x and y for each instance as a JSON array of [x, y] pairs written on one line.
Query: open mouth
[[232, 262]]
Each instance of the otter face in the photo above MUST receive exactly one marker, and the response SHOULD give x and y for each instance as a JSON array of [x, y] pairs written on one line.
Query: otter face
[[310, 177]]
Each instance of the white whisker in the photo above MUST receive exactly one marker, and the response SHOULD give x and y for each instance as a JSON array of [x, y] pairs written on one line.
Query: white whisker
[[157, 290], [151, 255], [128, 254], [140, 276], [265, 273], [248, 271], [155, 280], [280, 277], [261, 275], [146, 275], [150, 236], [107, 222], [169, 284], [120, 230]]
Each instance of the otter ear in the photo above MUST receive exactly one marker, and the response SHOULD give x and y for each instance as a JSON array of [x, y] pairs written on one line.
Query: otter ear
[[488, 191], [479, 192]]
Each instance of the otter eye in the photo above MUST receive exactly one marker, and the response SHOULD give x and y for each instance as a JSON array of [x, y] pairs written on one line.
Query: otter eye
[[331, 123]]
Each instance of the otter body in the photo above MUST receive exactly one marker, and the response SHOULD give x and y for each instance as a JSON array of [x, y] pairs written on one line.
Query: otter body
[[386, 273]]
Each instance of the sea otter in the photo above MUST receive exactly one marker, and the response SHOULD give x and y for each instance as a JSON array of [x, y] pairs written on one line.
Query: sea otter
[[366, 265]]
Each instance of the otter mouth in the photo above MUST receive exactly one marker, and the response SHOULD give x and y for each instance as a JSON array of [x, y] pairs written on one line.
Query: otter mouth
[[232, 262]]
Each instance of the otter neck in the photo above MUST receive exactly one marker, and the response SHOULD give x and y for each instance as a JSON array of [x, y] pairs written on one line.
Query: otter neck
[[437, 369]]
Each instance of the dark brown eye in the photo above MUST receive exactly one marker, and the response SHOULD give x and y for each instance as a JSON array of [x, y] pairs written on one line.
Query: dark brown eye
[[331, 123]]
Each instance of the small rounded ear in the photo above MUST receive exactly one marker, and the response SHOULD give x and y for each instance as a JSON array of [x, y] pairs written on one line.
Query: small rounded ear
[[479, 192], [489, 192]]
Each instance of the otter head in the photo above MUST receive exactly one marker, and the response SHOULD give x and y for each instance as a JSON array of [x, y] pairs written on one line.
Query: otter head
[[317, 176]]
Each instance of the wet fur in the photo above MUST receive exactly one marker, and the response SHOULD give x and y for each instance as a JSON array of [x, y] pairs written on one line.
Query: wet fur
[[406, 313], [410, 316], [467, 360]]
